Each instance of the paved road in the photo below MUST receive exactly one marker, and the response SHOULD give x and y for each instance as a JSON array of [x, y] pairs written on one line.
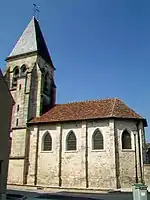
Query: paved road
[[107, 196]]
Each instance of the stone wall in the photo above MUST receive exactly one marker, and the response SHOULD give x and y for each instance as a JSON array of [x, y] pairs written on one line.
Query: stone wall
[[68, 169], [48, 162], [18, 143], [101, 167], [126, 158], [21, 95], [147, 174], [17, 157], [73, 162], [28, 99], [16, 171], [46, 167]]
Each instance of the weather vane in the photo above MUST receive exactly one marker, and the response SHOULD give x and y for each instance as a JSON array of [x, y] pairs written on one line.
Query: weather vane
[[36, 10]]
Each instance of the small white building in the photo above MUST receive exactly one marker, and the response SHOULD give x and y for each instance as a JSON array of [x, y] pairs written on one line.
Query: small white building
[[6, 103]]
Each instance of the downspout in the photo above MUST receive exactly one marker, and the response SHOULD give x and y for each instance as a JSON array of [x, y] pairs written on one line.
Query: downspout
[[139, 147], [86, 156], [36, 157], [60, 157]]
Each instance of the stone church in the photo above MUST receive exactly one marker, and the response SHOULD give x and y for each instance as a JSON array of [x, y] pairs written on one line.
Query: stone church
[[89, 144]]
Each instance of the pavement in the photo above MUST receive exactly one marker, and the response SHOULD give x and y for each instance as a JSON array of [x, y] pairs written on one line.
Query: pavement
[[31, 192]]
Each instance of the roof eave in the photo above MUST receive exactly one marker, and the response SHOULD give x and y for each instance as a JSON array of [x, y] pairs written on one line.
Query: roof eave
[[21, 55], [32, 53], [107, 117], [135, 119]]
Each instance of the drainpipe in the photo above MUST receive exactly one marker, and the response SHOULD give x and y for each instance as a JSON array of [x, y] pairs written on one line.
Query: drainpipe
[[139, 146]]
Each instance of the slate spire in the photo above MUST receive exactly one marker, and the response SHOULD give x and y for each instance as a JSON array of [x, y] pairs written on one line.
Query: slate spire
[[31, 41]]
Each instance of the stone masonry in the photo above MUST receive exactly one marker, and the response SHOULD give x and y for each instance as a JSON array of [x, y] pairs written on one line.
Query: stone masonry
[[101, 163]]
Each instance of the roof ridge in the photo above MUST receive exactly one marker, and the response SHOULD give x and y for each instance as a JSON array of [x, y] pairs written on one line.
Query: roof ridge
[[86, 101]]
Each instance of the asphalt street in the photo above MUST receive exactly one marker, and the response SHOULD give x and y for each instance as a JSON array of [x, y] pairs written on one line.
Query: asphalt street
[[105, 196]]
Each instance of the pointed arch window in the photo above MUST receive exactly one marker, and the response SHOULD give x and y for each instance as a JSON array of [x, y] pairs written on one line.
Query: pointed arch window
[[71, 142], [23, 70], [97, 140], [15, 76], [126, 140], [47, 142]]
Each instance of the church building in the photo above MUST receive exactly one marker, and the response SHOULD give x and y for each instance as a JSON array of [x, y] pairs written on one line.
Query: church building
[[90, 144]]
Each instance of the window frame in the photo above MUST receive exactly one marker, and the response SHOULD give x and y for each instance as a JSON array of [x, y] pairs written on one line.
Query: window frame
[[93, 134], [43, 140], [14, 72], [22, 72], [126, 149], [15, 77], [66, 142]]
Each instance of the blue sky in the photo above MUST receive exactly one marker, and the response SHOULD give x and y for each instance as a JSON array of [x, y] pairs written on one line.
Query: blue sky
[[100, 48]]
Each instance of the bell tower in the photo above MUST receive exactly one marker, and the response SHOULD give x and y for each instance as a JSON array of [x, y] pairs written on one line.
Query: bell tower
[[30, 77]]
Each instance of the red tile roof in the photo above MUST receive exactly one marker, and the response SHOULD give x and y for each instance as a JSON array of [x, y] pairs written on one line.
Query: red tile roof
[[96, 109]]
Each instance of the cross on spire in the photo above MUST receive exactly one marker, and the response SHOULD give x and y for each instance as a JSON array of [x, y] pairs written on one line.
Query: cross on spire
[[36, 11]]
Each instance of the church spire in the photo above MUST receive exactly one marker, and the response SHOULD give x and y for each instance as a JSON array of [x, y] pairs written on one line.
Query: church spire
[[31, 41]]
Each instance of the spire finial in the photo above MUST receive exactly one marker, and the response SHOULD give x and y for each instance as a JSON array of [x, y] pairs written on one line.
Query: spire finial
[[36, 11]]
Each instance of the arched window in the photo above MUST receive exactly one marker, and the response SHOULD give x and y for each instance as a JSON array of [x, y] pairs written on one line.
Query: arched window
[[23, 70], [71, 141], [15, 76], [126, 140], [97, 140], [16, 71], [47, 142]]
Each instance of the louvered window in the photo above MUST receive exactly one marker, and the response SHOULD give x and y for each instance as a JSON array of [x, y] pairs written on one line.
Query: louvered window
[[71, 141], [97, 140], [15, 76], [23, 70], [126, 140], [47, 142]]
